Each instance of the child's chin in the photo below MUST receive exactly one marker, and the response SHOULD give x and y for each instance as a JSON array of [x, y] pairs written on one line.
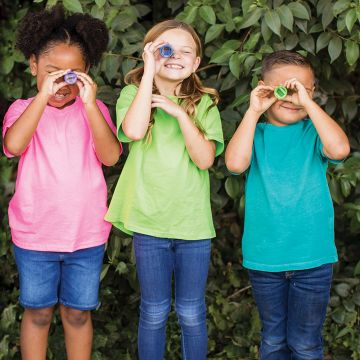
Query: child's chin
[[60, 104]]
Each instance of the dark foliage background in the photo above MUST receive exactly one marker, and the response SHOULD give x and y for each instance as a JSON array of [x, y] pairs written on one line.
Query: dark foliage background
[[236, 34]]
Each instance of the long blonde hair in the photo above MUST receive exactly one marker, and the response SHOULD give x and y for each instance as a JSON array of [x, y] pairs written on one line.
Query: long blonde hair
[[191, 88]]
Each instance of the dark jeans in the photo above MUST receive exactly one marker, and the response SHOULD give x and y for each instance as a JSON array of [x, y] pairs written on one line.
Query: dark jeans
[[157, 261], [292, 307]]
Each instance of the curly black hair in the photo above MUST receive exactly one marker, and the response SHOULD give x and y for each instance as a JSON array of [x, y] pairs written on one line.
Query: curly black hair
[[39, 31]]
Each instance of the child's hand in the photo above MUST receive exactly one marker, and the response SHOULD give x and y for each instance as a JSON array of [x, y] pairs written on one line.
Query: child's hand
[[162, 102], [87, 88], [261, 98], [299, 95], [150, 64], [49, 86]]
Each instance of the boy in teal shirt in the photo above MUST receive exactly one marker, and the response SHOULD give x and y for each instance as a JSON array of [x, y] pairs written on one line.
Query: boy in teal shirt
[[288, 241]]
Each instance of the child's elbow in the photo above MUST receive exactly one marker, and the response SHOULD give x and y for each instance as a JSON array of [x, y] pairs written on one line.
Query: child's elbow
[[133, 134], [341, 151], [237, 166], [205, 165], [13, 148]]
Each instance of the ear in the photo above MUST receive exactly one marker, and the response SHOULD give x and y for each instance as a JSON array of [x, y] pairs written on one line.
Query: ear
[[196, 63], [261, 82], [33, 65]]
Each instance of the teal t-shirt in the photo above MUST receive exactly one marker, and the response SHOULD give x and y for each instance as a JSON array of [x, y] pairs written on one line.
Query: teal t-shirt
[[161, 192], [289, 216]]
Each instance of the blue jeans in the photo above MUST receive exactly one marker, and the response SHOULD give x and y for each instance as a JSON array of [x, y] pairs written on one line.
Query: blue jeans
[[292, 307], [157, 260]]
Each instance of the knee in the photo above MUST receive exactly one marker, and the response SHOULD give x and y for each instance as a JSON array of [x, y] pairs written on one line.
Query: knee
[[40, 317], [154, 315], [306, 348], [75, 318], [191, 314]]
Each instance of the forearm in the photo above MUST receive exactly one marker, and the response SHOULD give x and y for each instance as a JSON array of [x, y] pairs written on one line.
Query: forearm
[[335, 142], [239, 150], [201, 150], [19, 135], [136, 122], [107, 146]]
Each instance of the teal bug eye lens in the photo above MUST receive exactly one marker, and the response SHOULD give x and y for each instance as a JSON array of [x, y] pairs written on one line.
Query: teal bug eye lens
[[166, 50], [280, 92], [70, 78]]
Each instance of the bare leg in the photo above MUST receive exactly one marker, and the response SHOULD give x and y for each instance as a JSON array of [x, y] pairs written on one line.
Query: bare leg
[[78, 333], [34, 333]]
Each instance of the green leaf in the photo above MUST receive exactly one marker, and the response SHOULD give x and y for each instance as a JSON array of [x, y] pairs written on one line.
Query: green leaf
[[232, 44], [322, 41], [342, 289], [234, 64], [253, 40], [190, 16], [308, 44], [357, 269], [327, 16], [221, 55], [251, 19], [207, 13], [291, 41], [213, 32], [232, 186], [350, 19], [6, 65], [340, 6], [352, 52], [334, 48], [299, 10], [272, 20], [100, 3], [286, 17], [73, 5]]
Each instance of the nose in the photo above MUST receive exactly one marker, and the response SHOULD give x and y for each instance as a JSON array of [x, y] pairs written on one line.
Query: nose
[[175, 54]]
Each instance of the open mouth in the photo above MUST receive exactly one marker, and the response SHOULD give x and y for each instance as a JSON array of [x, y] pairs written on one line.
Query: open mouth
[[174, 66], [60, 96]]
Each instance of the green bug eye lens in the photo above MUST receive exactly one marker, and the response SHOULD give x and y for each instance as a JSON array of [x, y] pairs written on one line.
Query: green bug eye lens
[[280, 92]]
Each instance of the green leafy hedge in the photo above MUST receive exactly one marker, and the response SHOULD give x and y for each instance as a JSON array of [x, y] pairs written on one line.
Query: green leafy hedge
[[236, 35]]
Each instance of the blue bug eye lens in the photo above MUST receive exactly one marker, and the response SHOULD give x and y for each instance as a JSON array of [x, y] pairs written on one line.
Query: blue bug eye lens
[[166, 50], [70, 78]]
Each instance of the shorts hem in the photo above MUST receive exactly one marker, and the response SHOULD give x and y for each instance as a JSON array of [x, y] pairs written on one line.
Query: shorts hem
[[79, 307], [37, 306]]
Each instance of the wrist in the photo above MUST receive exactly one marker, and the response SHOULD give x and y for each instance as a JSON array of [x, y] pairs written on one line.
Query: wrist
[[42, 97], [253, 114], [308, 104]]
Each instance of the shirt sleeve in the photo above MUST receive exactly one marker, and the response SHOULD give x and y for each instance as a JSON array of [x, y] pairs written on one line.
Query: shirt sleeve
[[13, 113], [210, 120], [126, 97]]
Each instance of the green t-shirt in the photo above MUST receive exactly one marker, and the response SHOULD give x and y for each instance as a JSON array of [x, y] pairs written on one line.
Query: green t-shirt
[[161, 192]]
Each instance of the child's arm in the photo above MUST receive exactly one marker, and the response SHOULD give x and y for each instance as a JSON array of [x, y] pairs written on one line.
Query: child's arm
[[201, 150], [106, 144], [239, 150], [335, 142], [137, 118], [19, 135]]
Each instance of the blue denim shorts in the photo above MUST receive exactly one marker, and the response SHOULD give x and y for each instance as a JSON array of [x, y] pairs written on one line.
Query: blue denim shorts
[[69, 278]]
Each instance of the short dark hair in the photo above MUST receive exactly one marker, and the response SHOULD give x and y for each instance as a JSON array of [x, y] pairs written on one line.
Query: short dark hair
[[41, 30], [284, 57]]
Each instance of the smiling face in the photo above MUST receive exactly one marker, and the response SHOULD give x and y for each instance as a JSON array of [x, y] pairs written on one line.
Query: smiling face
[[58, 57], [184, 60], [283, 112]]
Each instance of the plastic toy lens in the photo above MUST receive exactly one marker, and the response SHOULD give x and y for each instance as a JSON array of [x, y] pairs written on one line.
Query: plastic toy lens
[[280, 92], [70, 78], [166, 51]]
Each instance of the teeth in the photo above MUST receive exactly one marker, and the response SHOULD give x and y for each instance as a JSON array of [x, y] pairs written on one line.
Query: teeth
[[174, 66]]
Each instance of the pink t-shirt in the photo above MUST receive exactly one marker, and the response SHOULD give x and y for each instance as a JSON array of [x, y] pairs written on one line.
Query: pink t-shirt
[[60, 196]]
